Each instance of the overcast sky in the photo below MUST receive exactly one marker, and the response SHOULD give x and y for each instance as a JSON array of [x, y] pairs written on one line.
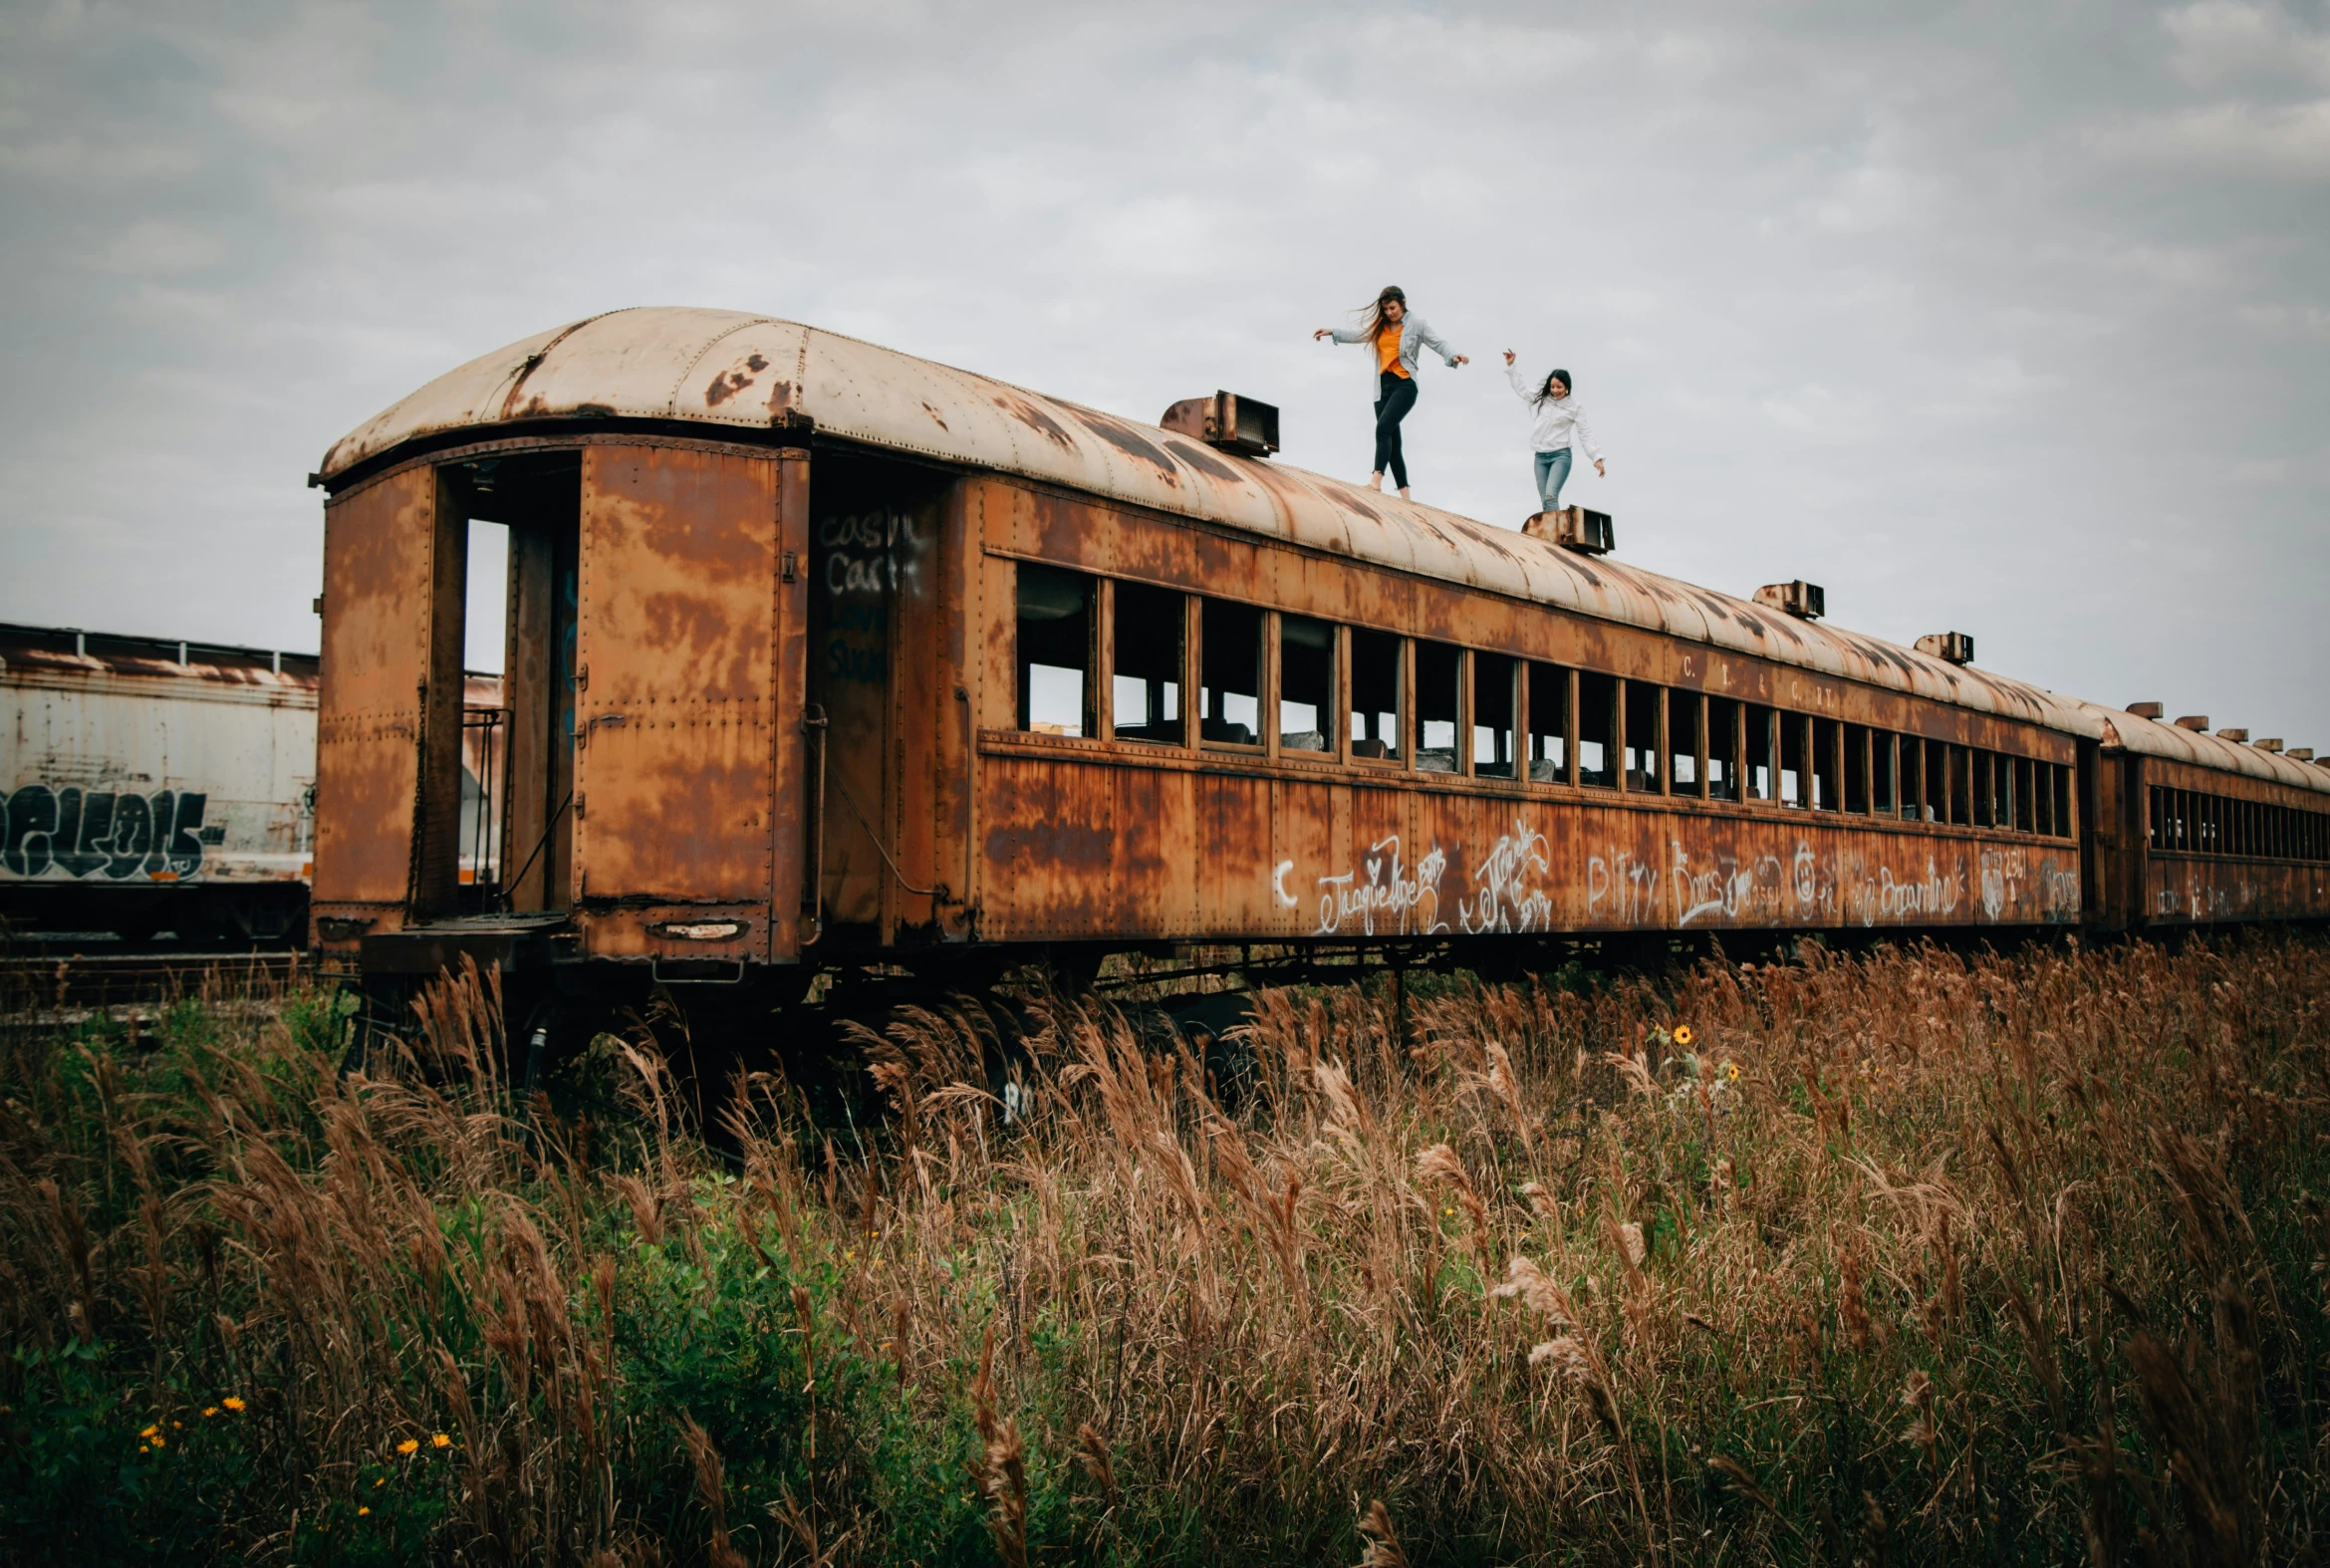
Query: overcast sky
[[2008, 318]]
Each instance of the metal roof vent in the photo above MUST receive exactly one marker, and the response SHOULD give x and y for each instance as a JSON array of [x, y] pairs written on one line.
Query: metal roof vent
[[2197, 722], [2146, 709], [1955, 646], [1805, 600], [2301, 754], [1574, 528], [1226, 420], [2237, 735], [2267, 745]]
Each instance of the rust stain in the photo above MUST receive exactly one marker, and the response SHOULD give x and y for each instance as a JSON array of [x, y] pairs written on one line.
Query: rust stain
[[1125, 439], [780, 400], [936, 417], [1034, 418], [733, 380], [1202, 460]]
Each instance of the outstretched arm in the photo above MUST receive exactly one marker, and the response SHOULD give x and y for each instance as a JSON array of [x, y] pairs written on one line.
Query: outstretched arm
[[1515, 379], [1339, 334], [1439, 345]]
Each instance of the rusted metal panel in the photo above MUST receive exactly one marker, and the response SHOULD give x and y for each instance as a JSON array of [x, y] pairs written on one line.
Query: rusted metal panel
[[727, 368], [2189, 889], [677, 716], [1278, 858], [377, 547]]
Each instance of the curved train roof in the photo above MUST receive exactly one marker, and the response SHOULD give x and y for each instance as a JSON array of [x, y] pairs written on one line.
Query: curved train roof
[[734, 369]]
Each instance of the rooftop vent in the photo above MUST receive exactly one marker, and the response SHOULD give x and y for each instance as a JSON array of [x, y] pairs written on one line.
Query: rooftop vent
[[2301, 754], [2233, 734], [1805, 600], [1226, 420], [2193, 721], [2146, 709], [1956, 646], [1574, 528], [2267, 745]]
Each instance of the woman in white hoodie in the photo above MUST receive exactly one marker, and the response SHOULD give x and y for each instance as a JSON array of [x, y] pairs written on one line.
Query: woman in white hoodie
[[1560, 425]]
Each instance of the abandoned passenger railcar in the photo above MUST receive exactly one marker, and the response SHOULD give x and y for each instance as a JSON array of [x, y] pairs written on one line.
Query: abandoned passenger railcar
[[820, 654]]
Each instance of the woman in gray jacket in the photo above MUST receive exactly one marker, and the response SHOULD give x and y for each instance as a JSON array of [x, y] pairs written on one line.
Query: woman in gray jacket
[[1396, 335]]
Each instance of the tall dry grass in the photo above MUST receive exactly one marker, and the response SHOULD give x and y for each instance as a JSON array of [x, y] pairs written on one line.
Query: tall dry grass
[[1905, 1257]]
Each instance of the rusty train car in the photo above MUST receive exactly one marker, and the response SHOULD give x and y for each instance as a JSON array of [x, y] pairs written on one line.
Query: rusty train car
[[820, 656]]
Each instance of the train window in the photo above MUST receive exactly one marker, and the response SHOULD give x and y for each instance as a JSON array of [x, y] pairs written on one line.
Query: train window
[[1229, 654], [1151, 624], [1378, 677], [1795, 780], [2153, 840], [1055, 650], [1883, 770], [1493, 679], [1306, 684], [1722, 749], [1683, 742], [1760, 770], [1440, 673], [1988, 797], [1549, 699], [1857, 768], [2060, 777], [1644, 705], [1597, 730], [1958, 766], [2034, 813], [1827, 759], [1934, 762]]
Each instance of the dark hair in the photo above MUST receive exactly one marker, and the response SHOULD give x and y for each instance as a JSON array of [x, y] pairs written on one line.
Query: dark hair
[[1374, 318], [1545, 388]]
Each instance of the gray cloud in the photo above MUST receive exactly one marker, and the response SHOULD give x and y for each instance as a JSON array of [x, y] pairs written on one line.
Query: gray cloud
[[2008, 319]]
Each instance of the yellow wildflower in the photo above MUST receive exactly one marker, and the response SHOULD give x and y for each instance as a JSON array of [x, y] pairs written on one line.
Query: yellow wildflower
[[408, 1445], [209, 1410], [441, 1441], [1683, 1035], [379, 1480], [233, 1404], [360, 1513], [151, 1430]]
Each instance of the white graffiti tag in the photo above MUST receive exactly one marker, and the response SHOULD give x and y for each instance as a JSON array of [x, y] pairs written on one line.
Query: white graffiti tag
[[1508, 897], [1394, 894]]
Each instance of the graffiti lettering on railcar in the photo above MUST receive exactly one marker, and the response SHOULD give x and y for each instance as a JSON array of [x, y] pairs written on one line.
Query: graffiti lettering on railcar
[[1508, 896], [1392, 892], [1726, 888], [119, 833], [864, 554], [1622, 887]]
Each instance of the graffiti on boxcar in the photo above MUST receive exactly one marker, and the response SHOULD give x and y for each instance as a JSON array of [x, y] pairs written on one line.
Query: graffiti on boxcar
[[1403, 901], [857, 644], [1507, 892], [121, 834]]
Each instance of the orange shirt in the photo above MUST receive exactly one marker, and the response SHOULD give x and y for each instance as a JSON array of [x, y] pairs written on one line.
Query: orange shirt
[[1388, 352]]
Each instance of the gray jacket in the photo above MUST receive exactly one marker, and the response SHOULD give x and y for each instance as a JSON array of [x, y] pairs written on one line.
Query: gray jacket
[[1415, 334]]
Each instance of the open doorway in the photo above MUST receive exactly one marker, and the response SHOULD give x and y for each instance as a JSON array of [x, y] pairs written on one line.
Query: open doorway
[[516, 822]]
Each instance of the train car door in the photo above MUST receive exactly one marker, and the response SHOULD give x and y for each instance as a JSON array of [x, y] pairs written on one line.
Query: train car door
[[879, 671], [393, 565], [687, 839]]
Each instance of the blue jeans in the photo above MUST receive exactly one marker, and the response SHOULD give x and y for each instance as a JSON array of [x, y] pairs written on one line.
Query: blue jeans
[[1553, 471]]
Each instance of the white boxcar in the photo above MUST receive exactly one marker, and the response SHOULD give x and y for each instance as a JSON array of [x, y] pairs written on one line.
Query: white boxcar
[[154, 785]]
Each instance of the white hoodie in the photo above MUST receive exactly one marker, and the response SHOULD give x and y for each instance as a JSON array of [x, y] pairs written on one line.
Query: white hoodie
[[1560, 421]]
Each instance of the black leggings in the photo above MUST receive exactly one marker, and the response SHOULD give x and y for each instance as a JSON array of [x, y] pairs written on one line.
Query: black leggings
[[1394, 398]]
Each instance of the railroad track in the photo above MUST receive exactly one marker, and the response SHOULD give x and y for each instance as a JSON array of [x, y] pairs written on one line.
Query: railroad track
[[57, 982]]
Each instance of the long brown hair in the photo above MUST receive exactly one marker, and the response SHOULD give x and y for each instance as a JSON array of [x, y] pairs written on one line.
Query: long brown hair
[[1373, 314]]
